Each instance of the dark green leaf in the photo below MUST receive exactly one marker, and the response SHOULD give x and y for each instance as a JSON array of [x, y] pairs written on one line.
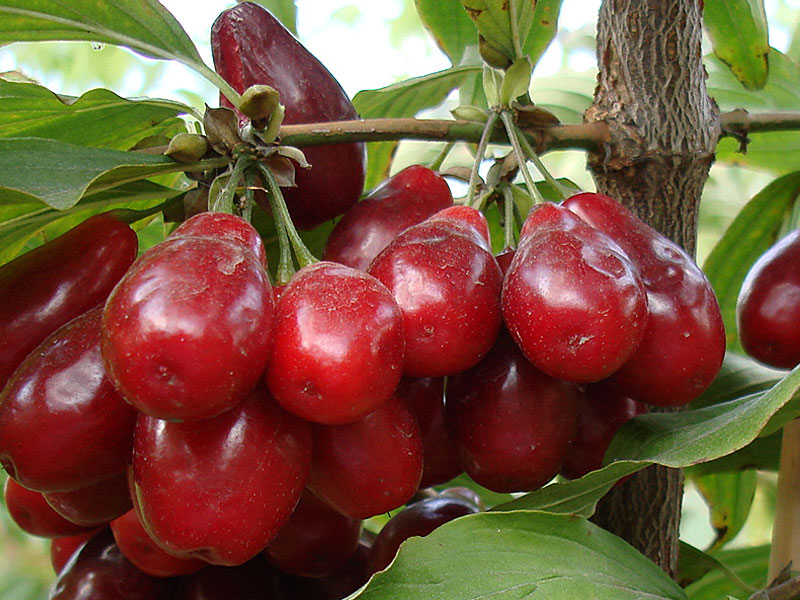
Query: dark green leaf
[[99, 118], [59, 174], [579, 496], [729, 496], [693, 564], [775, 151], [750, 564], [497, 22], [489, 497], [754, 229], [738, 32], [694, 436], [450, 26], [763, 453], [543, 29], [516, 555]]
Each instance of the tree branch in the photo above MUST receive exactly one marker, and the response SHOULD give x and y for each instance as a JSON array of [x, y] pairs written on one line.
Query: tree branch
[[587, 136]]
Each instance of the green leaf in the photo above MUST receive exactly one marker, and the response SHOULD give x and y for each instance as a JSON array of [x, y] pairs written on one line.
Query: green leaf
[[489, 498], [763, 453], [738, 32], [694, 436], [407, 98], [283, 10], [543, 29], [144, 26], [578, 496], [99, 118], [37, 223], [516, 555], [754, 229], [379, 161], [59, 174], [449, 25], [730, 497], [498, 23], [693, 564], [775, 151], [516, 81], [749, 564]]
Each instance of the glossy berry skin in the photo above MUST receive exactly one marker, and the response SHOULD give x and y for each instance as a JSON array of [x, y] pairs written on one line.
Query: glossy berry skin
[[768, 308], [684, 341], [369, 467], [30, 511], [316, 541], [403, 200], [45, 288], [250, 47], [571, 298], [62, 424], [510, 423], [93, 505], [62, 549], [338, 345], [224, 226], [220, 489], [603, 411], [448, 289], [418, 519], [425, 399], [139, 548], [467, 221], [99, 571], [186, 333]]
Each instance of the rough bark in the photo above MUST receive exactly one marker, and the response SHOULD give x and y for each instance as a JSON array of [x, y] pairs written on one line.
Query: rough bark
[[664, 128]]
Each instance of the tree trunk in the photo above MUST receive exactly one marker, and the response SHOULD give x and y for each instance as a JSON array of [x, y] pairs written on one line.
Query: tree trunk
[[652, 93]]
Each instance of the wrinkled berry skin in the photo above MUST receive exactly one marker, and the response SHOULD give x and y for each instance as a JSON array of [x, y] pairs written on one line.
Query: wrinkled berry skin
[[572, 300], [251, 47], [684, 341], [45, 288], [62, 424], [768, 308], [220, 489], [511, 424], [186, 333], [403, 200], [338, 345]]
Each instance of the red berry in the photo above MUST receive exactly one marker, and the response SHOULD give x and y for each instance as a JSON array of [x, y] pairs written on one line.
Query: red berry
[[372, 466], [31, 512], [62, 424], [338, 345], [768, 309], [403, 200], [93, 505], [63, 548], [511, 424], [223, 226], [220, 489]]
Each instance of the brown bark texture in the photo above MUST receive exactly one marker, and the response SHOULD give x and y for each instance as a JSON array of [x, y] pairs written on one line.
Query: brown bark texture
[[664, 127]]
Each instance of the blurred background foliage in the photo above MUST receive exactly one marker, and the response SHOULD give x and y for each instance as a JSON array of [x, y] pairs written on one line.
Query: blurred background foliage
[[338, 32]]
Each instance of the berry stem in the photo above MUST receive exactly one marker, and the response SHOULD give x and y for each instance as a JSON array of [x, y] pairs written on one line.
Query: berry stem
[[511, 130], [559, 188], [508, 217], [280, 213], [224, 200], [437, 162], [479, 154]]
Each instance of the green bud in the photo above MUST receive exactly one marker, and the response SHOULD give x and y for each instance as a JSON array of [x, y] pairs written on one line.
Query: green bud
[[187, 147]]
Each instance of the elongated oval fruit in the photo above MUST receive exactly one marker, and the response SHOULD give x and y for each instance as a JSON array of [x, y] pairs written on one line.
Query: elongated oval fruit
[[572, 300], [220, 489], [448, 288], [338, 345], [369, 467], [62, 424], [511, 424], [684, 341], [251, 47], [403, 200], [54, 283], [768, 308], [186, 333]]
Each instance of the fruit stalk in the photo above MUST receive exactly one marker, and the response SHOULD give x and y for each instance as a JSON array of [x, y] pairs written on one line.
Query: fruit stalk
[[479, 154], [786, 525], [514, 137]]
